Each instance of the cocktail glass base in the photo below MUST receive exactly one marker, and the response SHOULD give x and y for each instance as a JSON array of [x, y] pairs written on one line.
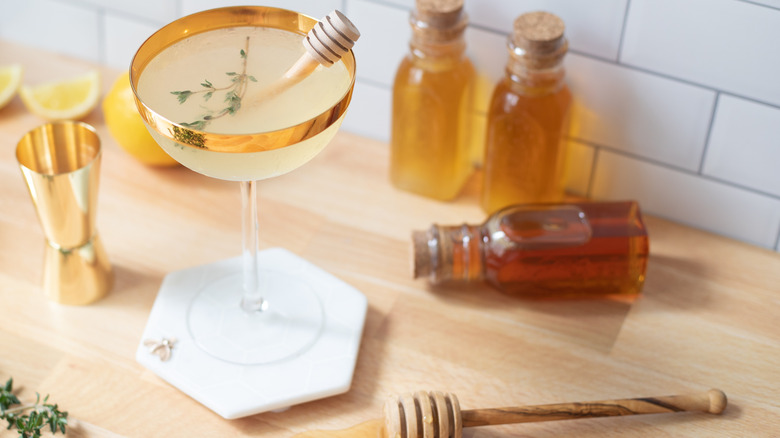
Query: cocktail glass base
[[321, 366]]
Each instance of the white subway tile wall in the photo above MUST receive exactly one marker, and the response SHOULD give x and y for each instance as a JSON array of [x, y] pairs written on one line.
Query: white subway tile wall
[[123, 36], [385, 32], [677, 102], [728, 45], [64, 27], [369, 111], [740, 151], [592, 27], [618, 108]]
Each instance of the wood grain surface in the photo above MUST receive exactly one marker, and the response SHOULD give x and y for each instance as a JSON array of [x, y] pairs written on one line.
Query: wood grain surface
[[708, 316]]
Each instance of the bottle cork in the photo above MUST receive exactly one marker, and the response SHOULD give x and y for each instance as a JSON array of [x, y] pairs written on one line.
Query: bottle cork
[[422, 263], [439, 13], [433, 255], [538, 37], [438, 20]]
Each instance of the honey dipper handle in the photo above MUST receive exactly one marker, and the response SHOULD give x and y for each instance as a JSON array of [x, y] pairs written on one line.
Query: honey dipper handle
[[329, 40], [713, 401]]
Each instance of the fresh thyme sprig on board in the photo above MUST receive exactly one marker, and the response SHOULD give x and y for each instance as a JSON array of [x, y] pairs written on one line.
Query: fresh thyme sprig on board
[[233, 97], [29, 419]]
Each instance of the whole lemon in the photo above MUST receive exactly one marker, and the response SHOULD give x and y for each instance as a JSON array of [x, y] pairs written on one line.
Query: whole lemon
[[128, 129]]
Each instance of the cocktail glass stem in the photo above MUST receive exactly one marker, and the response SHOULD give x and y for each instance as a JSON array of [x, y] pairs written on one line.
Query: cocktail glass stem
[[252, 300]]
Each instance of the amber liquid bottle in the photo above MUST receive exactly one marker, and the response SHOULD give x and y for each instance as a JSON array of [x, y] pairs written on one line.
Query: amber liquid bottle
[[542, 250], [528, 118], [432, 92]]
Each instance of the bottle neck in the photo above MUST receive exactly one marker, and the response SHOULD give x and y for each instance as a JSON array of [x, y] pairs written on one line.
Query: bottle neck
[[449, 253], [424, 50], [532, 82], [436, 41], [534, 73]]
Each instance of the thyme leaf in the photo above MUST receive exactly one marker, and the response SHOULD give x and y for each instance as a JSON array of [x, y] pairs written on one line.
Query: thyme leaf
[[182, 95], [233, 97]]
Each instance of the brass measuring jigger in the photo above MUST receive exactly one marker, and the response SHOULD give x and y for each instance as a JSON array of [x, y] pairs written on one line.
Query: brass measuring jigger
[[60, 162]]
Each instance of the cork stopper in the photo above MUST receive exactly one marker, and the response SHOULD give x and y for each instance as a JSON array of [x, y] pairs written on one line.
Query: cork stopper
[[438, 21], [441, 14], [538, 33], [448, 252], [422, 263], [331, 38]]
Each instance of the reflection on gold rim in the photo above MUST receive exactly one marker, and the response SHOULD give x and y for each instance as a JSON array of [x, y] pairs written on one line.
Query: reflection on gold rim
[[218, 19]]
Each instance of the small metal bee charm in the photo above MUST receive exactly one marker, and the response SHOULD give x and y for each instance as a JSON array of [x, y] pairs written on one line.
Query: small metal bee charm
[[161, 348]]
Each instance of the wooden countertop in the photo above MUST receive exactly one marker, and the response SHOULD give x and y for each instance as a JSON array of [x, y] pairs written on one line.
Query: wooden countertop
[[708, 316]]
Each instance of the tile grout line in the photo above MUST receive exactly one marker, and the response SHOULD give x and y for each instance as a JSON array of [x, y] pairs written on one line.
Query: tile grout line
[[640, 158], [760, 5], [677, 79], [623, 32], [373, 83], [777, 240], [484, 28], [628, 154], [709, 133], [593, 165]]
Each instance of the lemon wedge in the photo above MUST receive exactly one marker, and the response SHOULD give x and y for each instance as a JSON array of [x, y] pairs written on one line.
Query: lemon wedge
[[68, 99], [127, 127], [10, 78]]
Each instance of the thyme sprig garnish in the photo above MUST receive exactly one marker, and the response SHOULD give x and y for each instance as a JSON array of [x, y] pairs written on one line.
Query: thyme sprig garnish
[[29, 419], [234, 93]]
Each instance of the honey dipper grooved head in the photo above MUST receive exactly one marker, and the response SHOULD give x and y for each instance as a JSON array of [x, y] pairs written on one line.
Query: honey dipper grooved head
[[423, 414], [331, 38]]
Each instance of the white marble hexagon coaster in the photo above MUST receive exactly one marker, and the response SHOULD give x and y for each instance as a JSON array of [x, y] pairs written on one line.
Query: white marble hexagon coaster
[[232, 390]]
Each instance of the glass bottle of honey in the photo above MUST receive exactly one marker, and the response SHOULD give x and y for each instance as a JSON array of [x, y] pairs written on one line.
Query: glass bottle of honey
[[528, 117], [542, 250], [432, 92]]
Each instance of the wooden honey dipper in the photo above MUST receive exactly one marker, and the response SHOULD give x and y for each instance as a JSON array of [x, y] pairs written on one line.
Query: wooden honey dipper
[[325, 44], [438, 415]]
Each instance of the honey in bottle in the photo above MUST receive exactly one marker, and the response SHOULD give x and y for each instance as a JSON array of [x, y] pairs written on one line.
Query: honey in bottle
[[432, 104], [528, 118], [542, 250]]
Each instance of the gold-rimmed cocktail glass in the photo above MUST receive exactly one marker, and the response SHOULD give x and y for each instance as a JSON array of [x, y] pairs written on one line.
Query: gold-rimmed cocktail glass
[[261, 303]]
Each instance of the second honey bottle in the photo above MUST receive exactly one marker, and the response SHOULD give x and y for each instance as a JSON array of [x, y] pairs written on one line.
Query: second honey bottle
[[432, 104], [528, 118]]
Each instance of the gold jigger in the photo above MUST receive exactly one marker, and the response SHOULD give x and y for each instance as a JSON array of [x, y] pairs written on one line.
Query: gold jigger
[[60, 163]]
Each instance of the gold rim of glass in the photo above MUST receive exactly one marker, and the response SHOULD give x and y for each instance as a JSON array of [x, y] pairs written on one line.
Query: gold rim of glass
[[218, 19]]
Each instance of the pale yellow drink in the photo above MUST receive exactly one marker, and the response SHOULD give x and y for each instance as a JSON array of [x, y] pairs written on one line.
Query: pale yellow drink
[[214, 58]]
